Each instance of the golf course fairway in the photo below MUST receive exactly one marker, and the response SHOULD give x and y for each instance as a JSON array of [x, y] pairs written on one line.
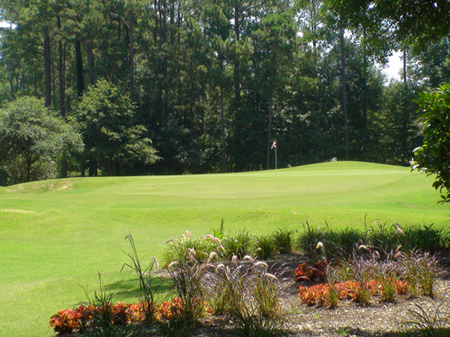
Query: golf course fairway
[[57, 236]]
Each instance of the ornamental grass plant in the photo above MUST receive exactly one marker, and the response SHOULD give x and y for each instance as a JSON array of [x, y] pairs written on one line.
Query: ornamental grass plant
[[424, 323], [182, 250], [283, 241], [265, 246], [247, 293], [421, 270], [239, 244], [243, 290], [149, 285]]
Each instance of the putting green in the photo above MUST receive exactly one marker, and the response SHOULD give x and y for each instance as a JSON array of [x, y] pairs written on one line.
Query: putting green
[[56, 235]]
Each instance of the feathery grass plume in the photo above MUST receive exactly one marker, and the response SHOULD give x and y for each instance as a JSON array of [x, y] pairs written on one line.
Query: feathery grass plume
[[248, 258], [335, 245], [212, 256], [187, 285], [259, 312], [246, 291], [190, 249], [308, 240], [224, 288]]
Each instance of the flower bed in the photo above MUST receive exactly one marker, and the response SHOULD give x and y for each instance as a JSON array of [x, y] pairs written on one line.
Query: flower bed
[[83, 317]]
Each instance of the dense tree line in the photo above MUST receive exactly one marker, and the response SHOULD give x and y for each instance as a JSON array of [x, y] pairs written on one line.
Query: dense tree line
[[188, 86]]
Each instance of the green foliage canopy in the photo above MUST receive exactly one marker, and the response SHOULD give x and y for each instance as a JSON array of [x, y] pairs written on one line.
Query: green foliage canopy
[[214, 84], [433, 156], [32, 139], [106, 118]]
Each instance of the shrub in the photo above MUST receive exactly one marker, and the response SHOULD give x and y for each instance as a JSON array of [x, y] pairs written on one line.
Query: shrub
[[329, 294], [425, 239], [265, 247], [181, 250], [170, 311], [327, 244], [339, 245], [346, 240], [309, 240], [308, 273], [239, 244], [96, 318], [282, 239]]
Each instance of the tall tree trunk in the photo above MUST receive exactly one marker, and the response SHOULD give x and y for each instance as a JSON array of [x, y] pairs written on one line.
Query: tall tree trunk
[[83, 169], [54, 91], [131, 38], [344, 92], [405, 109], [313, 21], [270, 113], [269, 132], [239, 155], [237, 76], [28, 160], [364, 81], [62, 83], [115, 167], [405, 82], [222, 120], [47, 65], [62, 94], [35, 84], [90, 61], [155, 30], [11, 83], [79, 68]]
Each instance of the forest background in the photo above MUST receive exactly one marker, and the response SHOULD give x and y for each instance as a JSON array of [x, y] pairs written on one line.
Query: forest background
[[131, 87]]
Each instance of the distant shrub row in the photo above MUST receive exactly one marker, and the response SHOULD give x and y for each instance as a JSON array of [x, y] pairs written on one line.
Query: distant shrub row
[[318, 243]]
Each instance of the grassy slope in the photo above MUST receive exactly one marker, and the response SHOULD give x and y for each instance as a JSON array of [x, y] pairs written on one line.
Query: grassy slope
[[56, 235]]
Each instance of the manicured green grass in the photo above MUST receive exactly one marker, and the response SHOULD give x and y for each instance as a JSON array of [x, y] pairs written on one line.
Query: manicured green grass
[[56, 235]]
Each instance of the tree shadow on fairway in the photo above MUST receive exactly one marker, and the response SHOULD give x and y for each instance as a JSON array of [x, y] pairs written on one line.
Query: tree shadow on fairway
[[127, 290]]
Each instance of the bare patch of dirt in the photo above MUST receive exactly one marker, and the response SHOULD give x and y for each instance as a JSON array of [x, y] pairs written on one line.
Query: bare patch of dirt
[[16, 211]]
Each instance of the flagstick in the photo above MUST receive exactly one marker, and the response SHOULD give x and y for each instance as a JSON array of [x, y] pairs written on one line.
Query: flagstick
[[275, 157]]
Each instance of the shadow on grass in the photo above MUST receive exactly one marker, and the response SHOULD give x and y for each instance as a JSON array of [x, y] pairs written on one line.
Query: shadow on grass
[[128, 290]]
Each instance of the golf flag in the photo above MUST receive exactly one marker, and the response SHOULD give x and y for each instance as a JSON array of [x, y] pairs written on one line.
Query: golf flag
[[274, 145]]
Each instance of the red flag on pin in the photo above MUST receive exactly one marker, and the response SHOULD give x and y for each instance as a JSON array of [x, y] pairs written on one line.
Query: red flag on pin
[[274, 145]]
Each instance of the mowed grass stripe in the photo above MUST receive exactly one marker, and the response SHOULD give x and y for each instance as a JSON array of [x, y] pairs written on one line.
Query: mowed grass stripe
[[56, 235]]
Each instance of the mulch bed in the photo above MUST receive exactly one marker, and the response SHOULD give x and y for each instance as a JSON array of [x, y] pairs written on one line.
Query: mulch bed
[[379, 319]]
